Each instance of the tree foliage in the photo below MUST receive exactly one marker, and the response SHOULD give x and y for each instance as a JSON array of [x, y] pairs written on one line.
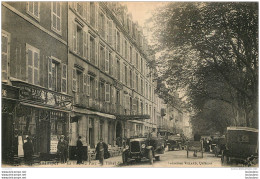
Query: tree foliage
[[210, 49]]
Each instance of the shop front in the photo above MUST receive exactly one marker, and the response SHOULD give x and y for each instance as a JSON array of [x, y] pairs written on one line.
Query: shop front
[[10, 97], [43, 116]]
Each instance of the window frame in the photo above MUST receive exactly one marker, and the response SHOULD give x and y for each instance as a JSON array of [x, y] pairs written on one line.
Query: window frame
[[33, 49], [52, 13], [32, 13], [8, 36]]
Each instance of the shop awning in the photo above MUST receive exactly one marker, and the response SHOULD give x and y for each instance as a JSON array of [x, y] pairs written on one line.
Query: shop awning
[[42, 107], [132, 117]]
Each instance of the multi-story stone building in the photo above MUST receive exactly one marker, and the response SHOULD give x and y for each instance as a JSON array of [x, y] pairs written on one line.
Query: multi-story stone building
[[34, 76], [74, 69], [111, 81]]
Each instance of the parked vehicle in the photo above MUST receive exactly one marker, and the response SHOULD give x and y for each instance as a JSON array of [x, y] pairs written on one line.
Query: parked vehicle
[[143, 148], [241, 146], [174, 142], [218, 145]]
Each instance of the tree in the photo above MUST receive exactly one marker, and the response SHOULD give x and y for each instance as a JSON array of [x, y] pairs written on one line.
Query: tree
[[221, 37]]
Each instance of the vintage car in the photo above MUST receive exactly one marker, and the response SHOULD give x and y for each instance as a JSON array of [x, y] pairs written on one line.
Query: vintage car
[[241, 146], [143, 148], [174, 142]]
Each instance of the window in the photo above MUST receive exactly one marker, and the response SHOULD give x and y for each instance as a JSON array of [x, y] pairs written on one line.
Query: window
[[146, 87], [74, 80], [101, 24], [79, 76], [110, 31], [125, 49], [131, 78], [64, 79], [142, 70], [32, 64], [92, 87], [85, 44], [150, 92], [53, 74], [118, 41], [111, 67], [77, 39], [102, 57], [118, 97], [131, 55], [102, 91], [136, 60], [118, 69], [5, 55], [107, 92], [92, 14], [107, 60], [92, 50], [125, 72], [56, 16], [136, 80], [142, 86], [33, 8]]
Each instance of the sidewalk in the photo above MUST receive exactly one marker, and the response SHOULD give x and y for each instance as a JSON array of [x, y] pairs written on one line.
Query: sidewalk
[[110, 162]]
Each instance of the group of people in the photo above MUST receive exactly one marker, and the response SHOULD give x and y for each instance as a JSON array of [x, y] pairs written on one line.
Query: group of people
[[62, 151]]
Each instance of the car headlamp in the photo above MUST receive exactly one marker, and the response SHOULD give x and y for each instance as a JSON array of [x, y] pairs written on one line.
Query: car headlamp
[[143, 146]]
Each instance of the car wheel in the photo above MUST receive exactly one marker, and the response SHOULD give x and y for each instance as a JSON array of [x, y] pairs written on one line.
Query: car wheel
[[157, 158], [150, 156], [224, 160], [124, 158], [138, 160]]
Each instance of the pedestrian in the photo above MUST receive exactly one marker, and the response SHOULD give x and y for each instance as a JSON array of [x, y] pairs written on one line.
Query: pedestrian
[[102, 151], [28, 151], [62, 149], [79, 150]]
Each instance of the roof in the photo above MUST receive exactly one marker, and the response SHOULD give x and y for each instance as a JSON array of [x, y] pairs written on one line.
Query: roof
[[242, 129]]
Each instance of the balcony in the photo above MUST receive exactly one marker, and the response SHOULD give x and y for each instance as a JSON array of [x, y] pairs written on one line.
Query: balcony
[[33, 94]]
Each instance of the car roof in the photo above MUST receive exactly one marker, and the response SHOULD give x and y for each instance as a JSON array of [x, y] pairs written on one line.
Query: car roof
[[242, 129], [138, 139]]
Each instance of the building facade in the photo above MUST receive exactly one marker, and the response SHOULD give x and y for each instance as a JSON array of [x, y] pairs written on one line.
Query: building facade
[[74, 69], [34, 62]]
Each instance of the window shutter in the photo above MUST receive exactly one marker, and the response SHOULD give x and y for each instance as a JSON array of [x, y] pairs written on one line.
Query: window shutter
[[107, 61], [111, 63], [105, 27], [88, 84], [96, 91], [74, 80], [74, 37], [5, 52], [114, 36], [85, 44], [84, 83], [30, 65], [110, 32], [64, 78], [96, 53], [36, 68], [107, 89], [85, 10], [88, 11], [96, 15]]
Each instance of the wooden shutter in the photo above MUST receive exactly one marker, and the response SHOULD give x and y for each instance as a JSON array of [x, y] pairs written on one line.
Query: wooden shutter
[[88, 11], [64, 78], [96, 53], [96, 91], [85, 44], [88, 84], [107, 92], [74, 80], [84, 83], [74, 37], [106, 60], [110, 32]]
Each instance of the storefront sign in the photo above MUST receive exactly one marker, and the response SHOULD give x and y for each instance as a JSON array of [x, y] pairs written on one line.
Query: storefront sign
[[54, 143], [43, 96]]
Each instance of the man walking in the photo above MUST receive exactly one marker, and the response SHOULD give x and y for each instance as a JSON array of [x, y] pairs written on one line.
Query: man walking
[[62, 149], [101, 150]]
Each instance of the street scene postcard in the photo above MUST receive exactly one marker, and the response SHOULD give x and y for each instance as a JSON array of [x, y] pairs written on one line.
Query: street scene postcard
[[129, 84]]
